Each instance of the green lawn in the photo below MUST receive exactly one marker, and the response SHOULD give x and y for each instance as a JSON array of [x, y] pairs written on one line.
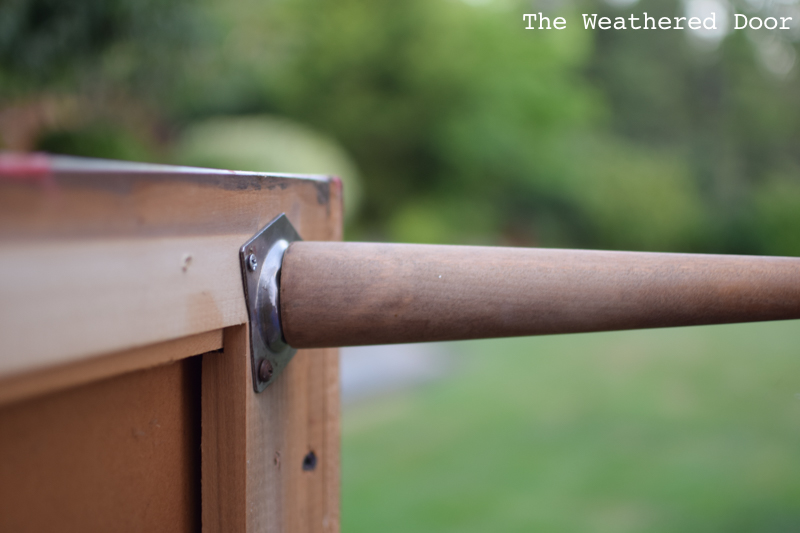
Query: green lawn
[[691, 429]]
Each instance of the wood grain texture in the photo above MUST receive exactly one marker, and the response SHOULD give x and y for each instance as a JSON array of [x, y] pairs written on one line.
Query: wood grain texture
[[98, 257], [254, 445], [116, 455], [342, 294], [30, 384]]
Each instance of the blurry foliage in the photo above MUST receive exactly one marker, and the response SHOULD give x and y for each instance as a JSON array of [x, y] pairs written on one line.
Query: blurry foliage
[[636, 197], [777, 215], [89, 44], [107, 140], [464, 126]]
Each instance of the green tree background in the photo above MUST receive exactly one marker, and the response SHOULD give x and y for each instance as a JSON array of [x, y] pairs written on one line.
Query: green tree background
[[457, 123]]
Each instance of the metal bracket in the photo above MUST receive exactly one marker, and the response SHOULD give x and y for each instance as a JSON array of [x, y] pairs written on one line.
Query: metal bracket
[[261, 259]]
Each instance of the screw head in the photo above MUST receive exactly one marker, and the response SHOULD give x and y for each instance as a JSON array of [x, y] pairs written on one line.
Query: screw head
[[265, 370], [252, 262]]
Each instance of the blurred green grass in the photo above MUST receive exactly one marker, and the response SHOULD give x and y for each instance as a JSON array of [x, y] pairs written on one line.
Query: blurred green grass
[[690, 429]]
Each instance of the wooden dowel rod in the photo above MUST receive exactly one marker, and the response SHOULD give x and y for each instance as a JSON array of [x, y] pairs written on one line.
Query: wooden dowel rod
[[345, 294]]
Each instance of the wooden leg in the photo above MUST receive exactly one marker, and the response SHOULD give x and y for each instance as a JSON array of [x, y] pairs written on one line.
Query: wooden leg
[[270, 460]]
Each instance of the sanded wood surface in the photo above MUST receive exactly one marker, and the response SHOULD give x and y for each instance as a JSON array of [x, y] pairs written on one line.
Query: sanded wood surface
[[105, 295], [98, 257], [343, 294], [254, 445], [117, 455]]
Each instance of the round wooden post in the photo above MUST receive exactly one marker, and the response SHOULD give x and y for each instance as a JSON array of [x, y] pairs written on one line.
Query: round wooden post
[[344, 294]]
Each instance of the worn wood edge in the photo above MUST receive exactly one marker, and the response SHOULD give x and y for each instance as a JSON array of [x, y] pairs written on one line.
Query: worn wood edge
[[52, 379], [40, 165], [119, 203]]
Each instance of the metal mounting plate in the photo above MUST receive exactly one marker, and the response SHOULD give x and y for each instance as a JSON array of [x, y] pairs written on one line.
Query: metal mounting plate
[[261, 258]]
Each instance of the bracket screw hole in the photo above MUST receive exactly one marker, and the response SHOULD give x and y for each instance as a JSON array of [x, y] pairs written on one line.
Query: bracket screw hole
[[310, 461], [252, 262], [265, 370]]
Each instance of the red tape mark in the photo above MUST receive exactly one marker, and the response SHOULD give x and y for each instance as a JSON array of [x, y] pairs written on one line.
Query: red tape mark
[[25, 167]]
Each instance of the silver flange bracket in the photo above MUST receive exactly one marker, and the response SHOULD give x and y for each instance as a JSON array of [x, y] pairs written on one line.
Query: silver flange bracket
[[261, 259]]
